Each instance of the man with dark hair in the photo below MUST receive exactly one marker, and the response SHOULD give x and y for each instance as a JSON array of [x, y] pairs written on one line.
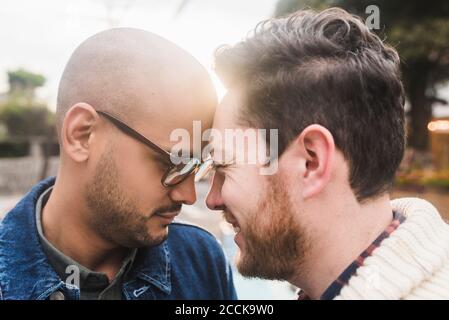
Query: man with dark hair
[[324, 220], [103, 229]]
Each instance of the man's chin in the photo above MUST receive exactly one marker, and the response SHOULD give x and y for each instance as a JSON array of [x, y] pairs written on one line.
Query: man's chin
[[155, 241], [253, 267], [261, 273], [247, 266], [156, 233], [149, 240]]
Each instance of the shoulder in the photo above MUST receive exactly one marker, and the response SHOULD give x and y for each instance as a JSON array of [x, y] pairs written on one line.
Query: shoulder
[[197, 258], [192, 235], [189, 241], [180, 226]]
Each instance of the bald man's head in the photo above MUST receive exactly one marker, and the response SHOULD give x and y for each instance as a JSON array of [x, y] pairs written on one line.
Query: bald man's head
[[131, 72], [118, 181]]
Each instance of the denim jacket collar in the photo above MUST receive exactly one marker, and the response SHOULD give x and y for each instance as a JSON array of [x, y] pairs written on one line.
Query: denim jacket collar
[[22, 257]]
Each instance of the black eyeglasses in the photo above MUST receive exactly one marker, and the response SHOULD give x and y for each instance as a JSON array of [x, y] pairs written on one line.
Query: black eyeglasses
[[176, 173]]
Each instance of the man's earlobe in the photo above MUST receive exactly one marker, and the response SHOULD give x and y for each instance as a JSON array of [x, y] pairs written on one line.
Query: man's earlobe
[[77, 131], [319, 149]]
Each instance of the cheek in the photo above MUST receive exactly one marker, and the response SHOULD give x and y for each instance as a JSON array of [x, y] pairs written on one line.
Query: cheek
[[241, 190], [140, 178]]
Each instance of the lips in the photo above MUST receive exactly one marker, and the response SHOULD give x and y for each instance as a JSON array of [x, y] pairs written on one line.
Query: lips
[[229, 217], [169, 212], [168, 215]]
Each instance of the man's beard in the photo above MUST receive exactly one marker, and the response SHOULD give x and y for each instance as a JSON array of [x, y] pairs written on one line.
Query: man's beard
[[114, 217], [274, 243]]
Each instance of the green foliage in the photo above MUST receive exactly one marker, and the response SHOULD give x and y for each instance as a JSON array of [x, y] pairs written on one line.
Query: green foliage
[[423, 178], [21, 114], [419, 30], [14, 148], [26, 121], [24, 79]]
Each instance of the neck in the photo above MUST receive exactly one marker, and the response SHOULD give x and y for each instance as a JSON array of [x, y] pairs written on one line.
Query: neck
[[349, 230], [66, 227]]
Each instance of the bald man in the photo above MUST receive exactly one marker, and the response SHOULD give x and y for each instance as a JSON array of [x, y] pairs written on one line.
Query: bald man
[[103, 228]]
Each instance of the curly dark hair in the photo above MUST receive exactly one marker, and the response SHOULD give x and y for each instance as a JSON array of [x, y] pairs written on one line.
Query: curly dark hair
[[323, 68]]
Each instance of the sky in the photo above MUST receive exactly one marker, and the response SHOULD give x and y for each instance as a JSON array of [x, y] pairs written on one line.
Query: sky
[[40, 35]]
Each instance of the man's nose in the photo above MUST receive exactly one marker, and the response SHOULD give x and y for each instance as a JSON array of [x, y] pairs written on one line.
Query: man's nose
[[214, 201], [185, 191]]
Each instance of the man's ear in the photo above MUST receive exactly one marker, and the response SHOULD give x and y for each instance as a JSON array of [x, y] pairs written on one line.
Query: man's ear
[[317, 148], [77, 131]]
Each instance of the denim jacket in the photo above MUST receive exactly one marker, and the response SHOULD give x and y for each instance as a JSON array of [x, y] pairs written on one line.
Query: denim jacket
[[190, 264]]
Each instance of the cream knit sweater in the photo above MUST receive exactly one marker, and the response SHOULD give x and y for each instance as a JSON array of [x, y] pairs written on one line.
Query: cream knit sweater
[[412, 263]]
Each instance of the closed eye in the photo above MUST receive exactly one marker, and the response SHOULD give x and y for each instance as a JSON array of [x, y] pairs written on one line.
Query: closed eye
[[220, 165], [164, 162]]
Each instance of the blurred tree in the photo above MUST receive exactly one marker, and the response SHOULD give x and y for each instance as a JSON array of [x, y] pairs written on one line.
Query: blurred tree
[[23, 116], [27, 120], [419, 30], [21, 113], [23, 84]]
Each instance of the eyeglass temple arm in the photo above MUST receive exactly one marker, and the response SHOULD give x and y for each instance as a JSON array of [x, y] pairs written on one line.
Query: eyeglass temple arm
[[128, 130]]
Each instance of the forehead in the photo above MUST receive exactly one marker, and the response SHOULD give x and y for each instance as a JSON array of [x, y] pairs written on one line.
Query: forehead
[[174, 121], [230, 138], [227, 112], [224, 120]]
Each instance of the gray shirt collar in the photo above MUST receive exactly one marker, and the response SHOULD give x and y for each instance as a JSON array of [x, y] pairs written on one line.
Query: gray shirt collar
[[90, 281]]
